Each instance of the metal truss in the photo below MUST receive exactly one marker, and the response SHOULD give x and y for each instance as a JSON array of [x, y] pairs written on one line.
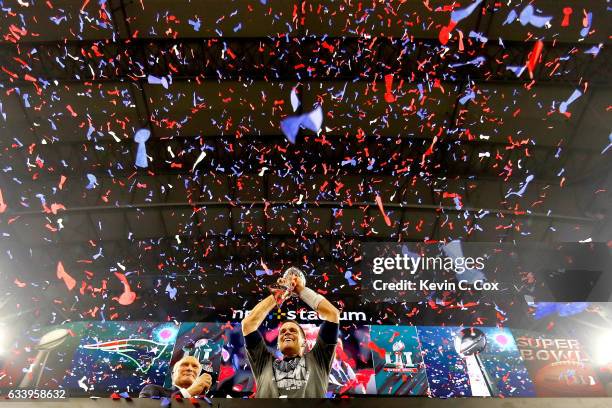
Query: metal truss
[[260, 204], [287, 58], [453, 157]]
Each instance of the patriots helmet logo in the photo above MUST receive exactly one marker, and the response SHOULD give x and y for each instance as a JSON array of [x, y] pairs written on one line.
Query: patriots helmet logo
[[143, 353]]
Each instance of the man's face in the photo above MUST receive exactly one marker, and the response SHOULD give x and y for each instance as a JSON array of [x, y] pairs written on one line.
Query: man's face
[[185, 371], [290, 340]]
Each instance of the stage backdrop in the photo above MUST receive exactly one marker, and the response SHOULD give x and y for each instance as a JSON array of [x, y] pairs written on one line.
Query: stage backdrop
[[100, 358]]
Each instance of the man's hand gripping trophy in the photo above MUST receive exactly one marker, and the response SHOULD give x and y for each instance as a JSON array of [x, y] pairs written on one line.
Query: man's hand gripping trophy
[[290, 284]]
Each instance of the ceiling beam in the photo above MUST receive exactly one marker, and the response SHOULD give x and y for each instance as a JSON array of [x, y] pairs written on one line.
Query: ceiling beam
[[276, 59], [309, 204]]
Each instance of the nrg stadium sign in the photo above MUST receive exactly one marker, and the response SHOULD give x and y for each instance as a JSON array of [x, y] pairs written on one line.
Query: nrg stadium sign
[[302, 315]]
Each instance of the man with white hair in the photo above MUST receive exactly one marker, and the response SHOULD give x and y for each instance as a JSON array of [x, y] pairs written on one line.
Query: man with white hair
[[186, 381]]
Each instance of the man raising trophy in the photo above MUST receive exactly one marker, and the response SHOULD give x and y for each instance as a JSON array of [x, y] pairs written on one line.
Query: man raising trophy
[[299, 374]]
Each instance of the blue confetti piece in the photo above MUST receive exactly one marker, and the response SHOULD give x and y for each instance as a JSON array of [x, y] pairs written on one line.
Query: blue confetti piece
[[348, 275], [93, 182], [528, 16], [460, 14], [171, 291], [585, 30], [311, 121], [470, 96], [544, 309], [141, 136], [196, 24], [510, 18]]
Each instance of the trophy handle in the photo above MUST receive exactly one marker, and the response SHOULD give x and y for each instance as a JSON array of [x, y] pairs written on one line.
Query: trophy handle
[[284, 289], [280, 293]]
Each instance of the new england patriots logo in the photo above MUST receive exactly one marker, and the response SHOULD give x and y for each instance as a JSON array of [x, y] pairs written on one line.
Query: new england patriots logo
[[142, 352]]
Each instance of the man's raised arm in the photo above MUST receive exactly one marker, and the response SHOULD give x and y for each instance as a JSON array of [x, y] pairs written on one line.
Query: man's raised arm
[[324, 308], [257, 315], [327, 311]]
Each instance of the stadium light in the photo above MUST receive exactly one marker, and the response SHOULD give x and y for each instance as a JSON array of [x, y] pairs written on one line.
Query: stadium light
[[3, 338]]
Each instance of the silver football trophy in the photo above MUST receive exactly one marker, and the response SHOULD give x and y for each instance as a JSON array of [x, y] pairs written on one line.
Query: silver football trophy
[[469, 343], [45, 346], [284, 289], [201, 350]]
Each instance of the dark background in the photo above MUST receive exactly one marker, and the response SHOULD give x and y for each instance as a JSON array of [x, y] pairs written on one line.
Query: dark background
[[206, 232]]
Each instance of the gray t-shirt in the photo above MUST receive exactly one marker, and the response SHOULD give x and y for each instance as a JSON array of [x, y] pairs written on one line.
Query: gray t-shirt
[[298, 377]]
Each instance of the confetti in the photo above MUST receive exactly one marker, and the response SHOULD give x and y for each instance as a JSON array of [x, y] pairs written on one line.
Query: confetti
[[544, 309], [295, 101], [565, 104], [602, 152], [171, 291], [534, 57], [455, 17], [3, 205], [469, 96], [529, 16], [586, 24], [291, 125], [93, 182], [201, 157], [270, 136], [389, 97], [127, 297], [382, 210], [153, 80], [524, 185], [141, 136], [63, 275], [567, 12]]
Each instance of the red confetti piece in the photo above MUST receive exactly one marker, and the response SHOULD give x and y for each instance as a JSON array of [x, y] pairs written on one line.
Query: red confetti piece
[[534, 56], [395, 334], [72, 112], [444, 35], [3, 205], [85, 3], [374, 347], [62, 274], [55, 207], [382, 211], [127, 297], [389, 97], [429, 151], [567, 12]]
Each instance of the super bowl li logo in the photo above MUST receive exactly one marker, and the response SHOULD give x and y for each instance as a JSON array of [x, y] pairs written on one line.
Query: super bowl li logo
[[399, 360]]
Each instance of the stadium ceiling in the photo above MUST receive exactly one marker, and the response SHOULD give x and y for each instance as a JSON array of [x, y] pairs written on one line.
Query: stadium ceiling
[[88, 92]]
